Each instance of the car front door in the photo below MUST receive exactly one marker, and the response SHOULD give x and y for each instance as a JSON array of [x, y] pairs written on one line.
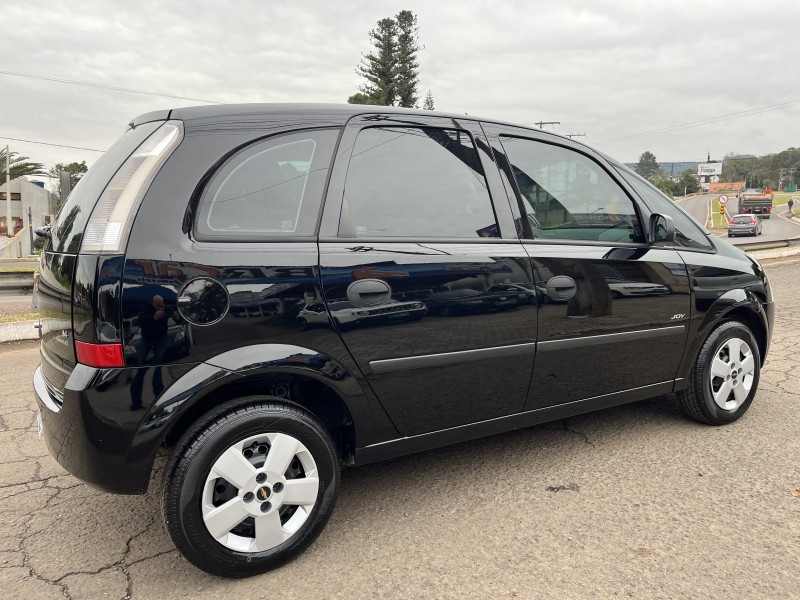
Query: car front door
[[411, 244], [613, 309]]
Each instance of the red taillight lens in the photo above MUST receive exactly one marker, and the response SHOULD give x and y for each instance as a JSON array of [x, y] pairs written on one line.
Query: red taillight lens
[[100, 355], [730, 222]]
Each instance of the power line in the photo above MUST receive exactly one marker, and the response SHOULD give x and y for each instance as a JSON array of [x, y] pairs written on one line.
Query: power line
[[103, 86], [50, 144], [710, 120]]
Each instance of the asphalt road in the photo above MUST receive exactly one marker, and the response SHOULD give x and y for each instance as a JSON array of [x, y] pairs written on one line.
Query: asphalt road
[[635, 501], [777, 227]]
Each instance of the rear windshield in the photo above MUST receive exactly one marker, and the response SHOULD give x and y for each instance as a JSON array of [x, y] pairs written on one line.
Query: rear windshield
[[67, 231], [742, 219]]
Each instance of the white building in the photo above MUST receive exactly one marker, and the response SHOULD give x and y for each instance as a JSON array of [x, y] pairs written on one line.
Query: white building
[[24, 195]]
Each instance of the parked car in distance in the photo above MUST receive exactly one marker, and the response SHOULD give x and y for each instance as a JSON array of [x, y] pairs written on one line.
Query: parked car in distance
[[207, 286], [347, 314], [744, 225], [529, 290]]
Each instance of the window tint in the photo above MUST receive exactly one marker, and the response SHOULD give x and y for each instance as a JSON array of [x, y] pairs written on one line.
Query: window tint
[[566, 195], [273, 188], [418, 182], [747, 220], [687, 232]]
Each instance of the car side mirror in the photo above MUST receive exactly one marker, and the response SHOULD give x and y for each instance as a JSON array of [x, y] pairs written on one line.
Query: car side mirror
[[662, 228]]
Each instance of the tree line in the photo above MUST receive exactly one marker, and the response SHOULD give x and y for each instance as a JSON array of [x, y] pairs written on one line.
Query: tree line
[[775, 171], [648, 167]]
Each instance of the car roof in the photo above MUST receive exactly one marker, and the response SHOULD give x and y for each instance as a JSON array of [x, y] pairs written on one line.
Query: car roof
[[328, 113]]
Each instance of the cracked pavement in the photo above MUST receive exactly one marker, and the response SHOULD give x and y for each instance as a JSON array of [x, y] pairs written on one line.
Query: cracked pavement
[[632, 501]]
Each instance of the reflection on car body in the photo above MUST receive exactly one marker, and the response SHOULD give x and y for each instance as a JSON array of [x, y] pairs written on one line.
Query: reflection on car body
[[623, 287], [516, 288], [468, 301], [346, 314]]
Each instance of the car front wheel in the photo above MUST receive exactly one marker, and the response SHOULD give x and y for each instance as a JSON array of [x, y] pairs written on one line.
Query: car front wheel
[[250, 486], [725, 376]]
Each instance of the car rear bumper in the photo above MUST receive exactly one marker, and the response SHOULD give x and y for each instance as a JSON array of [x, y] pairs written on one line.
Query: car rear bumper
[[94, 430], [732, 232]]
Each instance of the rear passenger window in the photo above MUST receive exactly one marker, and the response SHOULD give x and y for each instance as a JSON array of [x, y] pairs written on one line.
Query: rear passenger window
[[566, 195], [273, 188], [420, 182]]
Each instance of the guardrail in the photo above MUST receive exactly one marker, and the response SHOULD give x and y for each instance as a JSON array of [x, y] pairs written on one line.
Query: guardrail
[[753, 246], [16, 280]]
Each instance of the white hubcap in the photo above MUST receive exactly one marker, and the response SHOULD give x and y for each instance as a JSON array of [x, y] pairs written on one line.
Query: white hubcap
[[732, 372], [259, 492]]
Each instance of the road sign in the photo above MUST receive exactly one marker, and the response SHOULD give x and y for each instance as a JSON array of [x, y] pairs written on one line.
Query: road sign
[[722, 210], [723, 200]]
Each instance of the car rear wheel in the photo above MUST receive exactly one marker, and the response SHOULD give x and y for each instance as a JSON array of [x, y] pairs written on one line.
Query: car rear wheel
[[250, 486], [724, 377]]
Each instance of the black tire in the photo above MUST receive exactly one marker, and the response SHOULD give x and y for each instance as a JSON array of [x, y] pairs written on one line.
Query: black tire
[[697, 400], [189, 467]]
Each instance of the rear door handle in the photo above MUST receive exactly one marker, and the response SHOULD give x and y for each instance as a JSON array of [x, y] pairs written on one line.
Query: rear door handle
[[561, 287]]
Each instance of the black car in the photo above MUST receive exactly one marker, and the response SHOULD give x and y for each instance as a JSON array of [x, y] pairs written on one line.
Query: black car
[[231, 224]]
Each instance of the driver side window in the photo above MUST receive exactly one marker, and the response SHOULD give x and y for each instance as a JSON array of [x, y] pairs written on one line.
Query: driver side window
[[566, 195]]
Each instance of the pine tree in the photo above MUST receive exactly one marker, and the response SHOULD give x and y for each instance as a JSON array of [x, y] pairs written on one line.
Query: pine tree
[[428, 104], [406, 66], [391, 70], [378, 67]]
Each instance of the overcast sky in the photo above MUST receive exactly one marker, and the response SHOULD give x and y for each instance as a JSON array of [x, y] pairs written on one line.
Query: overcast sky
[[612, 69]]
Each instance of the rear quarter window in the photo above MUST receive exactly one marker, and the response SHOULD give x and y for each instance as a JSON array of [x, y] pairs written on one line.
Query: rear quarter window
[[272, 188]]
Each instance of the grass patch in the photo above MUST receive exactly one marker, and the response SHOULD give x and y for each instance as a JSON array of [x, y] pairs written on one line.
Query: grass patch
[[719, 221], [781, 198], [22, 269], [17, 317]]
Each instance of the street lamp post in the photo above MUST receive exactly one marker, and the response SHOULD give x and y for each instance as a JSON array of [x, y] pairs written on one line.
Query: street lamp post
[[9, 225]]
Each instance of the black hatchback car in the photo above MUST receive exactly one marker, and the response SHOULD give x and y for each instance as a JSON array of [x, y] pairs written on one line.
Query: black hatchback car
[[177, 276]]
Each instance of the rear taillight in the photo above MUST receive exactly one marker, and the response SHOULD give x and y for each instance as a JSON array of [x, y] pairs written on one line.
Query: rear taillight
[[100, 355], [111, 218]]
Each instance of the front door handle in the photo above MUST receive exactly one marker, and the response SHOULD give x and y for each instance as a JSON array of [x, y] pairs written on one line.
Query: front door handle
[[368, 292]]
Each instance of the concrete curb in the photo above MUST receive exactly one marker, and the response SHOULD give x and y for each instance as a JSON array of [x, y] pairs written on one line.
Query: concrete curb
[[21, 330]]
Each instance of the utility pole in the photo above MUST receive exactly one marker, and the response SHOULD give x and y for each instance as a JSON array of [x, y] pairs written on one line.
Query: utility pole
[[30, 229], [574, 135], [9, 226], [543, 123]]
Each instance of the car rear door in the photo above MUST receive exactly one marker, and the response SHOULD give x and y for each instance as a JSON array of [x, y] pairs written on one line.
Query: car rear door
[[410, 244], [613, 309]]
